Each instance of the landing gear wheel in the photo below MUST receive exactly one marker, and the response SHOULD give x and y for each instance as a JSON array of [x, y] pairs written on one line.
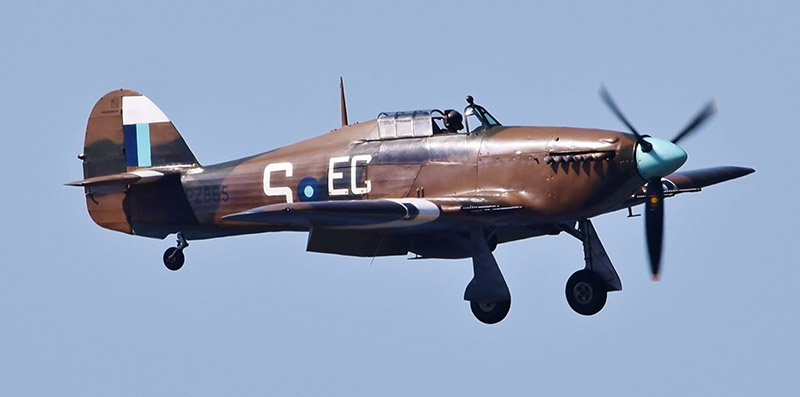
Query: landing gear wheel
[[173, 258], [586, 293], [490, 312]]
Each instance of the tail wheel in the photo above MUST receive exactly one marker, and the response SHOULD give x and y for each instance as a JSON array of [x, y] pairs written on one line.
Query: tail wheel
[[490, 312], [173, 258], [586, 293]]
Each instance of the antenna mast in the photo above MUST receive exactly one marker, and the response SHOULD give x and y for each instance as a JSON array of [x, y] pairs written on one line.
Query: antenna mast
[[342, 102]]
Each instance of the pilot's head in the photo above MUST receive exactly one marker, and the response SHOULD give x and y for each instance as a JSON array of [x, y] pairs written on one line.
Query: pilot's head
[[453, 120]]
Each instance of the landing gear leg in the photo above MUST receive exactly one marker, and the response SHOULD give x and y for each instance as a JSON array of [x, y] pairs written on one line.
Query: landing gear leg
[[173, 256], [487, 292], [588, 289]]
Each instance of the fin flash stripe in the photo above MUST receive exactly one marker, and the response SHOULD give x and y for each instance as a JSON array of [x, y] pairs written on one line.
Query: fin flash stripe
[[137, 145]]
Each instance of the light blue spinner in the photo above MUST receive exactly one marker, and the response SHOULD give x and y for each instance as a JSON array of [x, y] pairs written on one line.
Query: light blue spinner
[[664, 159]]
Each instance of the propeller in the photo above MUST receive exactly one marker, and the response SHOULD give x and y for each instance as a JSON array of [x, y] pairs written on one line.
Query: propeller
[[709, 110], [646, 146], [658, 159], [654, 223]]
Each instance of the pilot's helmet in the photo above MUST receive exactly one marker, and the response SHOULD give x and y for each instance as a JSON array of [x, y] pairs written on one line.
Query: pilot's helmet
[[453, 120]]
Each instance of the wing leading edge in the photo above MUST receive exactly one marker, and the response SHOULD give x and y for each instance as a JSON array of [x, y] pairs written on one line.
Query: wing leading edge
[[348, 214]]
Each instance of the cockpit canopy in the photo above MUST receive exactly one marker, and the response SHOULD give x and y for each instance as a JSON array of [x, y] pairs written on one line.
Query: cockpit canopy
[[423, 123], [417, 123]]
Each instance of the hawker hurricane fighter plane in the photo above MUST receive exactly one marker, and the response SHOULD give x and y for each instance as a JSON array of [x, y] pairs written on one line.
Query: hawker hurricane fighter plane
[[435, 183]]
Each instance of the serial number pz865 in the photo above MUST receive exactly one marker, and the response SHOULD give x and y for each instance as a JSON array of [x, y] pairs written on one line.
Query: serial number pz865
[[207, 194]]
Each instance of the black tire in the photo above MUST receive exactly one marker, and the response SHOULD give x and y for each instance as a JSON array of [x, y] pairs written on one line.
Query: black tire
[[490, 312], [586, 293], [173, 259]]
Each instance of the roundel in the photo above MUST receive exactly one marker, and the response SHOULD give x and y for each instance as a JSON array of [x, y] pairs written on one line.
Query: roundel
[[309, 189]]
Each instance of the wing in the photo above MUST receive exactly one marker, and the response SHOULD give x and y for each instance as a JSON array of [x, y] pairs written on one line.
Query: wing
[[369, 214], [382, 227], [691, 181], [696, 179]]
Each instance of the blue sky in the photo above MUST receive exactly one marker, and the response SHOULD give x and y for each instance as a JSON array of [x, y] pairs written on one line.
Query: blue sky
[[88, 312]]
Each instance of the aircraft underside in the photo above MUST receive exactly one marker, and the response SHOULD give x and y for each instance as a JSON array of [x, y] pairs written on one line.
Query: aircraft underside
[[487, 292]]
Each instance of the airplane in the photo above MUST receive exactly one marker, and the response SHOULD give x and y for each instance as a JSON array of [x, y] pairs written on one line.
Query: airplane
[[432, 183]]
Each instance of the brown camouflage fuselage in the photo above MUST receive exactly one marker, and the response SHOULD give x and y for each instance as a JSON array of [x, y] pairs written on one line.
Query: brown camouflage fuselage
[[511, 164]]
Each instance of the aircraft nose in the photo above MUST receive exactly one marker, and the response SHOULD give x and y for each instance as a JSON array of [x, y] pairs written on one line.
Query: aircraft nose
[[664, 159]]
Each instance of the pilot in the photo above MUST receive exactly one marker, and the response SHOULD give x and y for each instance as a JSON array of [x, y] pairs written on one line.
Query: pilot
[[452, 120]]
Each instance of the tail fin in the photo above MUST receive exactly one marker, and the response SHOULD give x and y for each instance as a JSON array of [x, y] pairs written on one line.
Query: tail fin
[[126, 133]]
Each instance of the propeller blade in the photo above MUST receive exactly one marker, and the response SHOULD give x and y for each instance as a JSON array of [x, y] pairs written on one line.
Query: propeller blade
[[709, 110], [654, 223], [613, 106]]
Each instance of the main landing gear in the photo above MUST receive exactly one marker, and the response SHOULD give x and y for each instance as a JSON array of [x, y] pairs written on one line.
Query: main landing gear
[[587, 289], [173, 256], [487, 292]]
